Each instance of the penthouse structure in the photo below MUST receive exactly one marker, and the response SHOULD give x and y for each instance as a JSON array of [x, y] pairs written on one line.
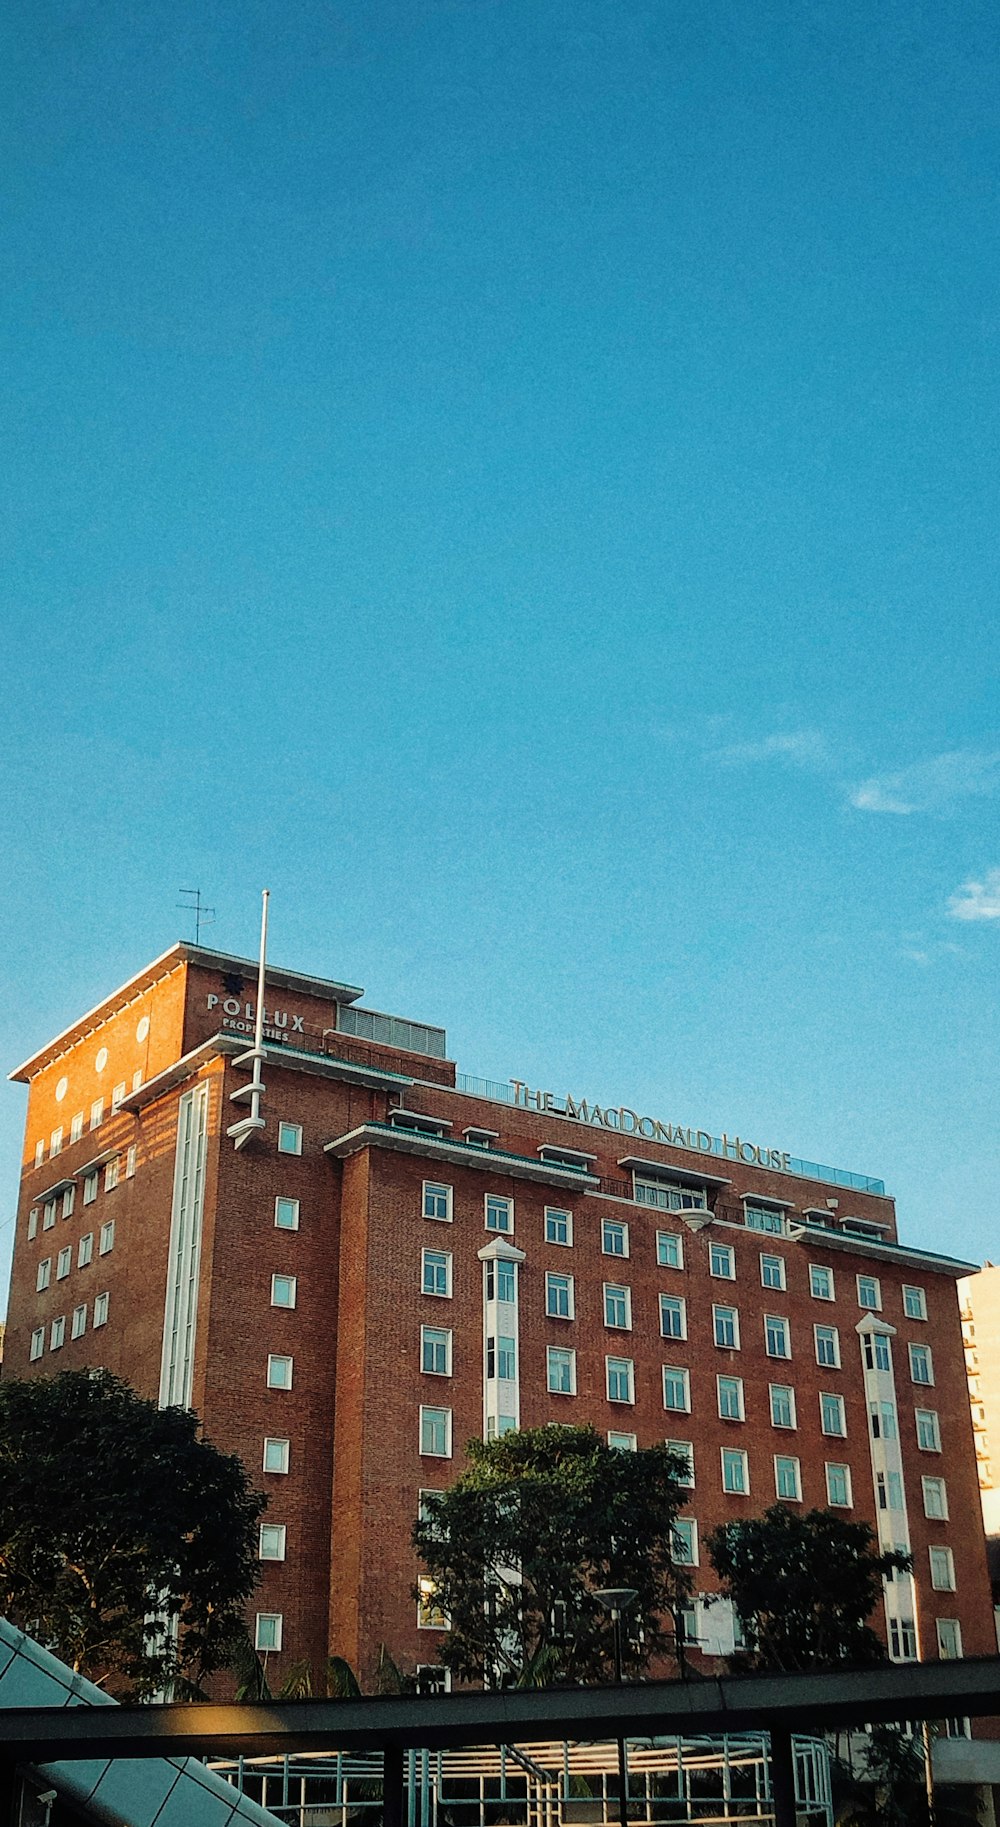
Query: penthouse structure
[[350, 1258]]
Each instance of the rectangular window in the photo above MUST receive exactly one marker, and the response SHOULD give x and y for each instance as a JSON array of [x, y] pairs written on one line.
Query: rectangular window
[[669, 1250], [275, 1454], [787, 1478], [558, 1226], [621, 1443], [772, 1271], [821, 1285], [57, 1333], [101, 1309], [560, 1371], [764, 1218], [267, 1634], [676, 1388], [726, 1327], [832, 1418], [49, 1212], [838, 1486], [722, 1261], [33, 1223], [69, 1200], [89, 1188], [130, 1162], [76, 1127], [889, 1490], [117, 1096], [684, 1450], [435, 1350], [921, 1364], [902, 1640], [869, 1293], [85, 1249], [614, 1237], [928, 1430], [271, 1546], [501, 1280], [673, 1316], [137, 1079], [97, 1113], [107, 1242], [942, 1569], [279, 1371], [914, 1303], [669, 1198], [559, 1296], [827, 1346], [949, 1639], [735, 1471], [283, 1290], [37, 1345], [43, 1274], [429, 1613], [935, 1498], [777, 1342], [621, 1379], [55, 1144], [39, 1153], [286, 1214], [289, 1138], [731, 1398], [435, 1273], [617, 1306], [111, 1175], [437, 1200], [684, 1542], [79, 1325], [499, 1214], [64, 1262], [876, 1351], [435, 1432], [782, 1404], [882, 1420]]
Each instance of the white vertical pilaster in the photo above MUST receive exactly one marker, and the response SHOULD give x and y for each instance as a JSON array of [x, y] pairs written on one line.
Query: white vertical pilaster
[[501, 1262], [184, 1260]]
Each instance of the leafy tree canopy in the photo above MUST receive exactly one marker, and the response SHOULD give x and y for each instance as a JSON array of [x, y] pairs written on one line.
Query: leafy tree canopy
[[112, 1509], [803, 1587], [518, 1545]]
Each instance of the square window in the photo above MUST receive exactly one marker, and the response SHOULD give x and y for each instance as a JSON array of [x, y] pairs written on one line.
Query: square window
[[279, 1371], [76, 1127], [97, 1113], [33, 1223], [111, 1175], [85, 1249], [731, 1398], [669, 1250], [69, 1200], [617, 1307], [37, 1345], [684, 1542], [726, 1327], [289, 1138], [777, 1342], [130, 1162], [43, 1274], [869, 1293], [435, 1432], [272, 1542], [55, 1144], [928, 1430], [116, 1097], [558, 1226], [286, 1214], [64, 1262], [283, 1290], [499, 1214], [787, 1478], [935, 1498], [560, 1371], [437, 1201], [838, 1486], [942, 1569], [832, 1419], [949, 1639], [735, 1471], [621, 1443], [267, 1634], [684, 1450], [435, 1350], [107, 1242], [436, 1273], [673, 1316], [821, 1285], [782, 1405], [620, 1379], [101, 1309], [827, 1346], [79, 1325], [676, 1388], [772, 1272], [49, 1213], [57, 1333], [559, 1296], [914, 1303], [921, 1364], [722, 1261], [89, 1188], [614, 1237], [276, 1453], [429, 1613]]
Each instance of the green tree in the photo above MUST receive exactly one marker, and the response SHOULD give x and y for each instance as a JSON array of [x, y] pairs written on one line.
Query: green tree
[[112, 1509], [518, 1545]]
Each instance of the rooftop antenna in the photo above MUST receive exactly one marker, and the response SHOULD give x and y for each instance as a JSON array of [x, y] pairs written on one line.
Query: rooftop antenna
[[252, 1093], [203, 916]]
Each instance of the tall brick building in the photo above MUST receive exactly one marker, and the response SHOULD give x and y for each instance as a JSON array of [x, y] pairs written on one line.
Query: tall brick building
[[403, 1257]]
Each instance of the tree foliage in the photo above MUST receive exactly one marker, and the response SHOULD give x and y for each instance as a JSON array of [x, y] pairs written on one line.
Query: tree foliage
[[518, 1545], [803, 1587], [112, 1509]]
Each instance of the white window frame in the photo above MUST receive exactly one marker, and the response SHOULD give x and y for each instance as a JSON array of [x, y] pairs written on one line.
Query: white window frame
[[681, 1371], [492, 1203], [56, 1142], [557, 1285], [39, 1153], [286, 1306], [117, 1097], [85, 1250], [717, 1252], [33, 1223], [107, 1238], [673, 1244], [97, 1113], [836, 1465], [69, 1199], [444, 1332], [830, 1395], [435, 1293], [611, 1290], [939, 1486], [49, 1212], [101, 1304], [941, 1558], [79, 1322], [624, 1367], [789, 1390], [289, 1138], [268, 1631], [274, 1534], [620, 1442], [435, 1408], [554, 1358], [835, 1332], [436, 1192], [274, 1358], [733, 1455], [778, 1320], [870, 1306], [784, 1459], [76, 1128], [719, 1317], [684, 1529], [554, 1215], [822, 1270], [64, 1262], [619, 1225], [282, 1199], [687, 1447], [921, 1354], [36, 1348], [130, 1155], [917, 1310], [282, 1455], [57, 1333], [737, 1382], [945, 1628], [111, 1175], [90, 1182], [767, 1259], [934, 1429], [43, 1275], [673, 1304]]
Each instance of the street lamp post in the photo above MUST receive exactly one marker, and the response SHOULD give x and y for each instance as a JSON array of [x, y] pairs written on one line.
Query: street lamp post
[[617, 1600]]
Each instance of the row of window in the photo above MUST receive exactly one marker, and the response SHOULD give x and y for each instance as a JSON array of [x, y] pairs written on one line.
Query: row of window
[[788, 1485], [58, 1136], [84, 1255], [78, 1326], [91, 1184]]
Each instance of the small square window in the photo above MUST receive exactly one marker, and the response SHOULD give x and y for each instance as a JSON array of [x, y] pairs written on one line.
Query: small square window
[[97, 1113], [620, 1379], [107, 1242], [726, 1327], [673, 1316], [272, 1542], [787, 1478], [617, 1307], [914, 1303], [279, 1371], [558, 1226], [921, 1364], [559, 1296], [827, 1346], [283, 1290], [57, 1333], [76, 1127], [101, 1309], [275, 1454], [838, 1486], [85, 1249], [500, 1214], [268, 1631], [614, 1237], [64, 1262], [669, 1250], [79, 1325], [935, 1498], [735, 1471], [69, 1201], [731, 1398], [286, 1214], [684, 1542], [869, 1293], [560, 1371], [928, 1430], [676, 1388], [33, 1223], [942, 1569], [782, 1404], [37, 1346], [43, 1274], [89, 1188], [772, 1271], [777, 1341], [684, 1450], [621, 1443], [289, 1138], [435, 1432], [722, 1261], [437, 1201], [832, 1418], [435, 1350], [435, 1273], [821, 1285]]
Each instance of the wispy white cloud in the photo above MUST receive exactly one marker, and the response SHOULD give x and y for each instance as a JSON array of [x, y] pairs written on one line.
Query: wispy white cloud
[[925, 786], [977, 900], [804, 748]]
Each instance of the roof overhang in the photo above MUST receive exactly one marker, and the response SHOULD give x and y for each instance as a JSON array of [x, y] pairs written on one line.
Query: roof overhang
[[285, 1058], [669, 1170], [464, 1154], [886, 1252]]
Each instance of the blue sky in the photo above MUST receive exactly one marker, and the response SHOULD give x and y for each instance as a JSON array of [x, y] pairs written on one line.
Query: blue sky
[[519, 479]]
